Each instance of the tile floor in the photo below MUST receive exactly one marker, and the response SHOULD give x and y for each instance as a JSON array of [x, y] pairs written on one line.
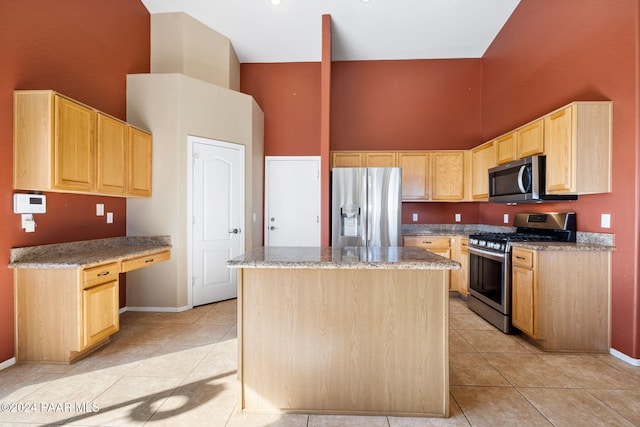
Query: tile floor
[[179, 369]]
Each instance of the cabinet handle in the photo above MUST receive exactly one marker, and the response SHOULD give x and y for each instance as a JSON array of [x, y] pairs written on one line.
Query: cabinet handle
[[149, 260], [426, 243], [520, 257], [106, 273]]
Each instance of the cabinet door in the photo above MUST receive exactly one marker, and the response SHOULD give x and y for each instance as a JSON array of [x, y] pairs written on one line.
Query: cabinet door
[[560, 152], [447, 175], [381, 159], [347, 159], [531, 139], [415, 176], [140, 161], [523, 299], [73, 145], [112, 138], [505, 148], [482, 159], [100, 316], [460, 278]]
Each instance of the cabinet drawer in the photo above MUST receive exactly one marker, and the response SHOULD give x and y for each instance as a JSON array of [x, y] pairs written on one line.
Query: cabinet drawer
[[464, 245], [522, 258], [428, 242], [101, 274], [144, 261]]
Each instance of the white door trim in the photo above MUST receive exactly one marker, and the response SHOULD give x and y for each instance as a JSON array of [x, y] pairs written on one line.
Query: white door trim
[[191, 139]]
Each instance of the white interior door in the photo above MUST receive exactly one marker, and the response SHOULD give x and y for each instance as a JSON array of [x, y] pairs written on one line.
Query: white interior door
[[218, 218], [292, 201]]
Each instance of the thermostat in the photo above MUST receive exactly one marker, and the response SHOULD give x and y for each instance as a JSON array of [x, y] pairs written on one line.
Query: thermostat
[[29, 203]]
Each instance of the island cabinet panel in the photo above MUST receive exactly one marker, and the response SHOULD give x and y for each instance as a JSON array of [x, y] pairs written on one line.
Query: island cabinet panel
[[344, 341]]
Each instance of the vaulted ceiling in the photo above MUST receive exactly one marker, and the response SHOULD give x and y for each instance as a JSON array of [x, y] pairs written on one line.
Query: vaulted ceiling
[[361, 29]]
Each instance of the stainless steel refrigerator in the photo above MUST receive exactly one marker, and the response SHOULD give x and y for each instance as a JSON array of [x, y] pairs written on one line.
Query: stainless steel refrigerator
[[366, 206]]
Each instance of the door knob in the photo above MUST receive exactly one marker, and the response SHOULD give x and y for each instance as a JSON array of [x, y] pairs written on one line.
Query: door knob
[[273, 228], [234, 231]]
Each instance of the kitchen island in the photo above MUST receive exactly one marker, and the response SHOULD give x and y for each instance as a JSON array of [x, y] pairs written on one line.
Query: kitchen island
[[344, 331]]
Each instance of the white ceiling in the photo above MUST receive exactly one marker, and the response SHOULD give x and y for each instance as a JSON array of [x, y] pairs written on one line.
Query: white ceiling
[[374, 30]]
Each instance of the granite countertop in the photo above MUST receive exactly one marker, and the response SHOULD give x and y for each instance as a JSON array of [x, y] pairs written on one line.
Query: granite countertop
[[561, 246], [87, 252], [343, 258], [585, 241]]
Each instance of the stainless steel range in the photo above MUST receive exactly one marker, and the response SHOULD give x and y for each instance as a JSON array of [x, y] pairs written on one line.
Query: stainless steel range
[[490, 261]]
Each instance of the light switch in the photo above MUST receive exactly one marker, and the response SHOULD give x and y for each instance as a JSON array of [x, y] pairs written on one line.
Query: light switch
[[109, 217], [99, 209], [415, 217], [458, 218], [505, 218], [605, 221]]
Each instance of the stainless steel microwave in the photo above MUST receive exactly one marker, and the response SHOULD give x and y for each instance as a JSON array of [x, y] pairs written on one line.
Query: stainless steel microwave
[[521, 181]]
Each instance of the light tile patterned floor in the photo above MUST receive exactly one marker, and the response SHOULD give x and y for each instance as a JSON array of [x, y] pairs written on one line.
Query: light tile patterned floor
[[179, 369]]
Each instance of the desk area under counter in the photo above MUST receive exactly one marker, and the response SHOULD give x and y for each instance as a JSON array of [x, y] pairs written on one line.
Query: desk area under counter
[[67, 294], [343, 331]]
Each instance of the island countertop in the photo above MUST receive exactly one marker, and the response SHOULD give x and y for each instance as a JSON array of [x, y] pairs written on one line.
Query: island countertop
[[343, 258]]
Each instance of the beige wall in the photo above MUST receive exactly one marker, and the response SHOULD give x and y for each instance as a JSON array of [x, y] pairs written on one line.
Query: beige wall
[[182, 44], [173, 106]]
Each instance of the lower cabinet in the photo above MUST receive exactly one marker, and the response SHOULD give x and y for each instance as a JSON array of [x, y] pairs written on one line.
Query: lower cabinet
[[560, 299], [63, 314], [440, 245], [100, 304], [460, 253]]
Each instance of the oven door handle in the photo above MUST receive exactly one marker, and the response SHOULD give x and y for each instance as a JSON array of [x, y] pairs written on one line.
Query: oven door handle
[[491, 255]]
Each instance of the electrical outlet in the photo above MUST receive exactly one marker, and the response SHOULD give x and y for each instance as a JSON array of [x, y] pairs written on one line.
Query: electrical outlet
[[415, 217], [109, 217], [505, 218], [99, 209], [605, 221], [458, 218]]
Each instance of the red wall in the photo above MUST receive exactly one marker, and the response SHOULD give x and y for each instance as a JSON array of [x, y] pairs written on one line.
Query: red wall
[[289, 95], [83, 49], [551, 53], [405, 105]]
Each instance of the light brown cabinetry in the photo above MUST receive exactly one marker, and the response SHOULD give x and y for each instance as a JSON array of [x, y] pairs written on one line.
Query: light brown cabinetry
[[347, 159], [415, 175], [505, 147], [380, 159], [100, 317], [440, 245], [578, 148], [530, 139], [460, 253], [62, 145], [560, 299], [448, 175], [524, 291], [63, 314], [482, 159]]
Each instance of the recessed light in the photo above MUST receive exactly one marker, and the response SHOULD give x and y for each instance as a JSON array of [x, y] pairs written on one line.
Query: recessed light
[[276, 2]]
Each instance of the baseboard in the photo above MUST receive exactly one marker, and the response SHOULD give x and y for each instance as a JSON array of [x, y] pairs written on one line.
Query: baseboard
[[619, 355], [156, 309], [7, 363]]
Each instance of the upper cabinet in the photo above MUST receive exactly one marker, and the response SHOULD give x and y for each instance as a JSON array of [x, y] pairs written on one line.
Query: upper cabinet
[[439, 175], [530, 140], [578, 148], [62, 145], [448, 175], [505, 148], [483, 157]]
